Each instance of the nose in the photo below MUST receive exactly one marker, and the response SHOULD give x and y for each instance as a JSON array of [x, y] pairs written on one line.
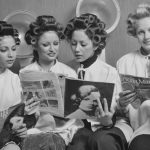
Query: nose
[[10, 53], [147, 35], [77, 48], [50, 47]]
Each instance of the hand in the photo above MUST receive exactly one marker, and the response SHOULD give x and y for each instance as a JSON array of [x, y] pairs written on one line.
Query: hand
[[126, 97], [20, 131], [32, 105], [104, 115]]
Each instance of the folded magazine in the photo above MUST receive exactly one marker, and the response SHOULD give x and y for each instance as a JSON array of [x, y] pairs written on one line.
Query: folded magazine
[[139, 85], [65, 97]]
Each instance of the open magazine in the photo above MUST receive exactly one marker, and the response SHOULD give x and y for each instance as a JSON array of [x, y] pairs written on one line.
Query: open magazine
[[137, 84], [65, 97]]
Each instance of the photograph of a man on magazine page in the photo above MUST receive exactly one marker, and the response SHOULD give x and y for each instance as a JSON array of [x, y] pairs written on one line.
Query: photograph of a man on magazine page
[[139, 85], [66, 97], [13, 118]]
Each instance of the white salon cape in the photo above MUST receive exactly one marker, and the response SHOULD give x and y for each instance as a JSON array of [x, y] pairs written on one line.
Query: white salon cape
[[136, 64], [46, 122], [100, 71], [10, 90]]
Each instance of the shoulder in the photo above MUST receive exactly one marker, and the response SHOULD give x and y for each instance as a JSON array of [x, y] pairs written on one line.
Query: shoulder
[[31, 67], [12, 74], [66, 69], [127, 58], [105, 66]]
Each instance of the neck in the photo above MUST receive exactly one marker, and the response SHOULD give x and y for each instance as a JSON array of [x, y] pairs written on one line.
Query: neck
[[144, 51], [46, 65], [2, 69]]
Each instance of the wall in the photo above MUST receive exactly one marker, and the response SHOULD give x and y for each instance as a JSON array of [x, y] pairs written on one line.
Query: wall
[[119, 43]]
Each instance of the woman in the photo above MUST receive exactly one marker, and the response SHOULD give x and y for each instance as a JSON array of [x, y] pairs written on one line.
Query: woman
[[137, 63], [87, 37], [45, 35], [10, 88]]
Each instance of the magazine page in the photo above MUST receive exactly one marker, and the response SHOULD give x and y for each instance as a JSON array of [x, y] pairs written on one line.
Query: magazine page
[[81, 97], [46, 87], [137, 84]]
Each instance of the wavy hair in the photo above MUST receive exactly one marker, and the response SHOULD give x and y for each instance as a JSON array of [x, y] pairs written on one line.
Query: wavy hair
[[41, 25], [93, 26], [7, 29], [142, 11]]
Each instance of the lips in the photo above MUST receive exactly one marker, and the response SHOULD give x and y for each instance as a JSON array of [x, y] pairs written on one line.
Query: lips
[[51, 54], [10, 61]]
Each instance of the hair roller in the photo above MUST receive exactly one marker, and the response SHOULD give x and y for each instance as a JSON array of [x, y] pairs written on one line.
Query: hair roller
[[36, 31], [97, 39], [33, 40], [91, 19]]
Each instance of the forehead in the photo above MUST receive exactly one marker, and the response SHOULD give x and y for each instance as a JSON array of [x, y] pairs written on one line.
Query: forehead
[[49, 36], [7, 40], [143, 23], [80, 35]]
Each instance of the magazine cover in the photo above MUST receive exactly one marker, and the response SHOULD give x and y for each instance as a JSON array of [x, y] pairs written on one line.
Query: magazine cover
[[81, 97], [65, 97], [137, 84]]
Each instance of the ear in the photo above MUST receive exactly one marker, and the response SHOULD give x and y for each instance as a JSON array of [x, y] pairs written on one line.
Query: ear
[[95, 48]]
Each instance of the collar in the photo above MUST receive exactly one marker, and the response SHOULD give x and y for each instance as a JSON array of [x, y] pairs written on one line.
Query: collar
[[88, 62]]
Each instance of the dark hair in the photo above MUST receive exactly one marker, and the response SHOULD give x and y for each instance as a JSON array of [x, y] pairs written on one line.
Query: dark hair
[[8, 30], [93, 26], [142, 11], [41, 25]]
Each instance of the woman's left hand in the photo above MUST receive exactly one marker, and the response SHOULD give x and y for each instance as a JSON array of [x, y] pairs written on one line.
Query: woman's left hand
[[103, 114], [21, 131]]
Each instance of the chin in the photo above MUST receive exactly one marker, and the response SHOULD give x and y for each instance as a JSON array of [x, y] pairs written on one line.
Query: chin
[[9, 65]]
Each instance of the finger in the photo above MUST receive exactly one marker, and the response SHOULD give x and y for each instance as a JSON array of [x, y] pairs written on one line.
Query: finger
[[105, 106], [101, 111], [21, 130], [127, 92], [127, 97]]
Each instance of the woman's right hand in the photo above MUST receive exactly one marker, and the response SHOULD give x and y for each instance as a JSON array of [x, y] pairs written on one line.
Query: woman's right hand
[[126, 97], [32, 106]]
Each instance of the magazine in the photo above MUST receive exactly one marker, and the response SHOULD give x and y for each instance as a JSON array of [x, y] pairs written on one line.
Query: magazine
[[5, 114], [139, 85], [62, 96]]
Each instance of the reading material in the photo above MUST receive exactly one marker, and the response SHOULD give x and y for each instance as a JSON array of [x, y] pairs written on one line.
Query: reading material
[[137, 84], [63, 96]]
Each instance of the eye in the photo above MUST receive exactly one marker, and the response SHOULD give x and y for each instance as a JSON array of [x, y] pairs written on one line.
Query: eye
[[83, 44], [140, 32], [3, 49], [45, 44], [56, 43], [74, 43], [14, 48]]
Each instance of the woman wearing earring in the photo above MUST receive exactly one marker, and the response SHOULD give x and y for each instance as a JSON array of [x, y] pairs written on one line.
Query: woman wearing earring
[[45, 35], [87, 37]]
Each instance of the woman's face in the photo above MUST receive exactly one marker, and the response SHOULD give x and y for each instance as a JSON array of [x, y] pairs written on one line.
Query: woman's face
[[7, 51], [48, 46], [82, 46], [143, 33]]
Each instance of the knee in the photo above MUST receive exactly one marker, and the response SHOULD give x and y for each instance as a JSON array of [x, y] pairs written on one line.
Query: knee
[[144, 111], [145, 106], [11, 147]]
